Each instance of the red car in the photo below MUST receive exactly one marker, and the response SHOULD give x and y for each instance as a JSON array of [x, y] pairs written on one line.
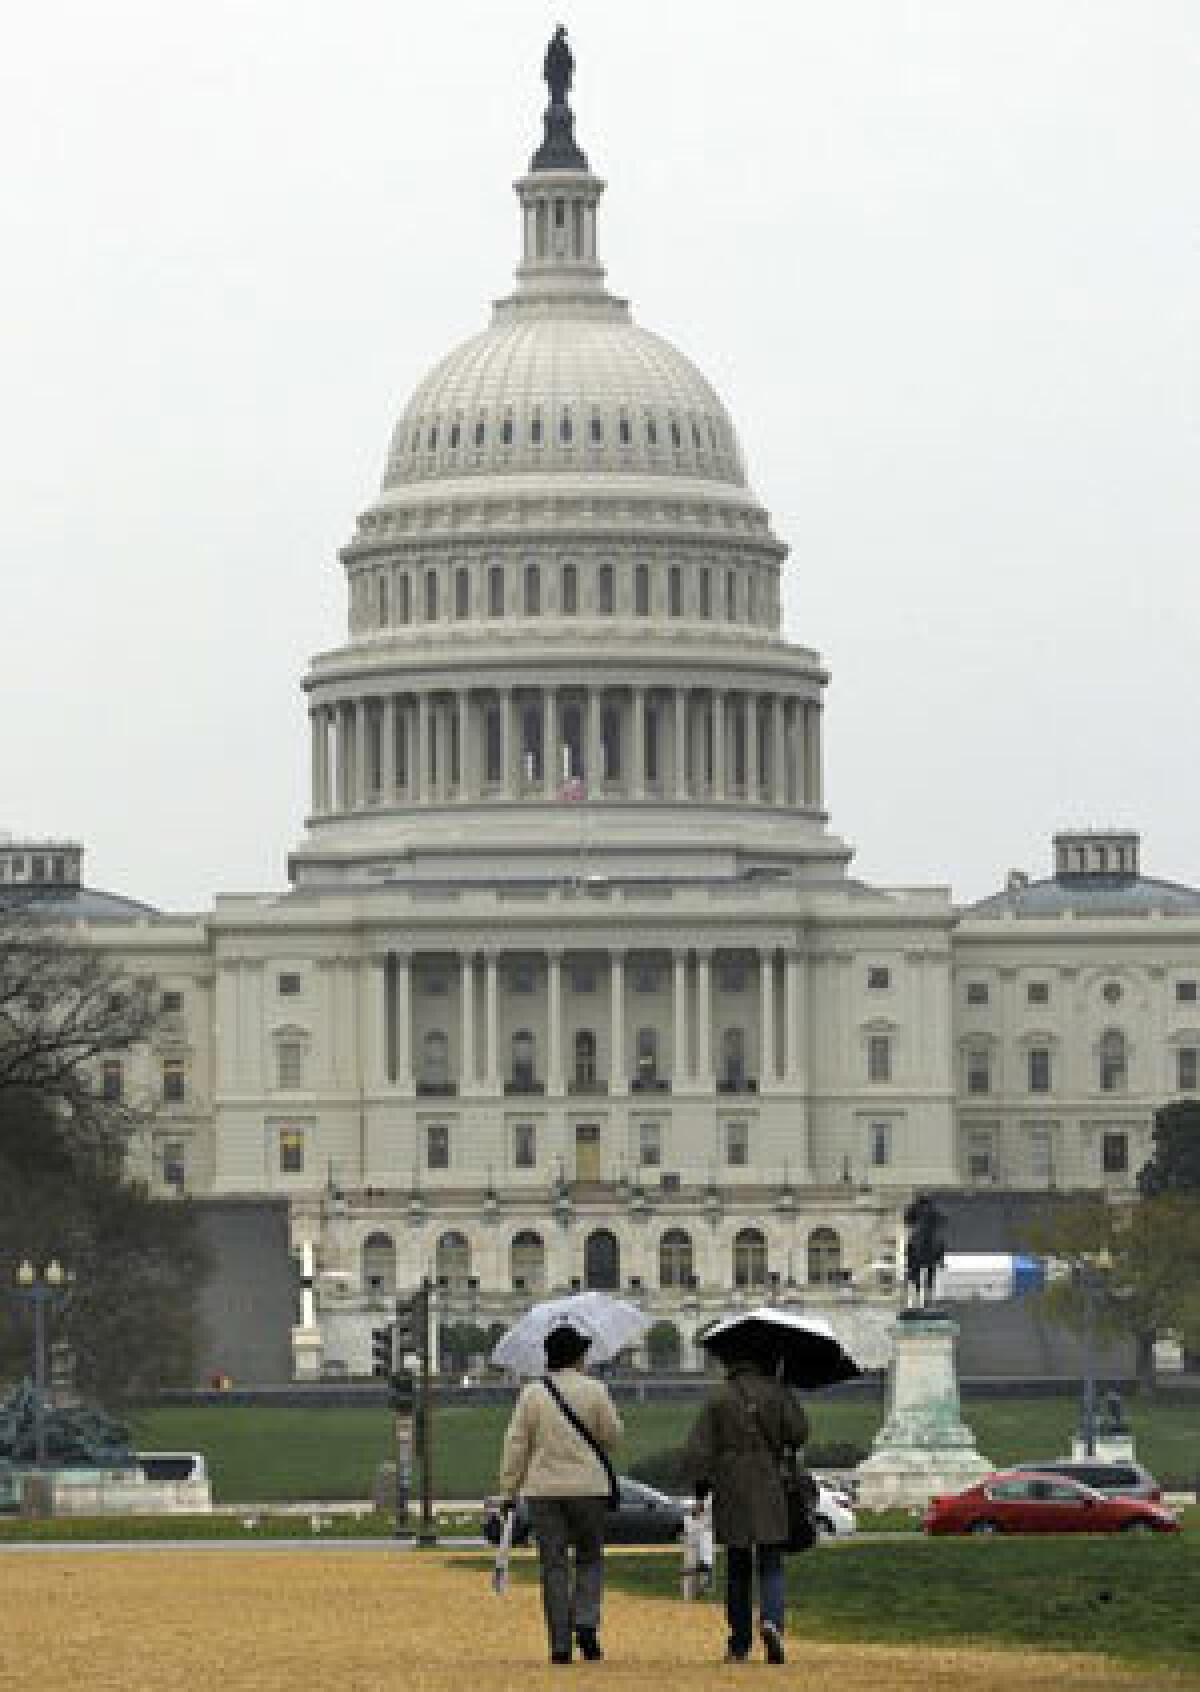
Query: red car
[[1019, 1501]]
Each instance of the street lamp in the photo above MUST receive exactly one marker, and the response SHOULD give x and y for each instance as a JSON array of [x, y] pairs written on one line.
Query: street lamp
[[39, 1290], [1090, 1272]]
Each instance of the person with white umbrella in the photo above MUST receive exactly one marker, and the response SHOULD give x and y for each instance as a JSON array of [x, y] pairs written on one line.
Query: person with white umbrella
[[556, 1452]]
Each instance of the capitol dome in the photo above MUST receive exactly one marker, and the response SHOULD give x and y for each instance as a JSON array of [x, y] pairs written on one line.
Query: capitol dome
[[565, 590]]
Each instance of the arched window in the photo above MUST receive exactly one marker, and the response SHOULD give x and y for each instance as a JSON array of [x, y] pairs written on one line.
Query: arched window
[[527, 1259], [733, 1060], [524, 1061], [675, 1259], [379, 1265], [824, 1257], [585, 1058], [750, 1258], [453, 1261], [1114, 1070], [435, 1059], [602, 1261]]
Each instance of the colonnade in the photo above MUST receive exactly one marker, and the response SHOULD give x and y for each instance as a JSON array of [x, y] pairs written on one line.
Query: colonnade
[[779, 1058], [440, 745]]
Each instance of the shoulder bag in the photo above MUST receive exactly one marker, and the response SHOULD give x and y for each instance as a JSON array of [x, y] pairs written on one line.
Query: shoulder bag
[[597, 1449]]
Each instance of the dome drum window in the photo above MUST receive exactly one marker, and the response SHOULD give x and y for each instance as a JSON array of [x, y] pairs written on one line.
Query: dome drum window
[[535, 429], [506, 430], [565, 429], [480, 432], [455, 435]]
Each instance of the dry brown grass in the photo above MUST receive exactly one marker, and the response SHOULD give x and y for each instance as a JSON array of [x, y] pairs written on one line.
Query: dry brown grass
[[281, 1621]]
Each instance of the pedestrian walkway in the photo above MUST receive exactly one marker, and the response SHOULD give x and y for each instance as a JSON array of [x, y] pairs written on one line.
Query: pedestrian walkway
[[251, 1621]]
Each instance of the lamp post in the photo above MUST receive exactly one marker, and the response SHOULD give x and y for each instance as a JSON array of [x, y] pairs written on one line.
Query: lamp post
[[1089, 1273], [40, 1289]]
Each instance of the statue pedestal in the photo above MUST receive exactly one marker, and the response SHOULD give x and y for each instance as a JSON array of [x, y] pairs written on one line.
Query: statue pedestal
[[1106, 1448], [924, 1446], [308, 1352]]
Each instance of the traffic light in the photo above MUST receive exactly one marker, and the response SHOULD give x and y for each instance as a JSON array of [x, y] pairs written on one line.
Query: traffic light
[[412, 1326], [402, 1392], [381, 1352]]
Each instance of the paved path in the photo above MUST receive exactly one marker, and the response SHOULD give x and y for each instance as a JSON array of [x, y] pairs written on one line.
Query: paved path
[[261, 1621]]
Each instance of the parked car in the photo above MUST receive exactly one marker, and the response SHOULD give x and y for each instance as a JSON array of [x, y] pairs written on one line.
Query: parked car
[[644, 1516], [1114, 1480], [835, 1511], [1018, 1501]]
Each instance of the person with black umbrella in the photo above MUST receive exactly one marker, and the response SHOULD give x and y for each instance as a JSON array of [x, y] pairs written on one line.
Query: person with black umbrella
[[736, 1450]]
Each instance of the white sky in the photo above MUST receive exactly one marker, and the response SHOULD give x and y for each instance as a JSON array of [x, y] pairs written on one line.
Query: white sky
[[940, 259]]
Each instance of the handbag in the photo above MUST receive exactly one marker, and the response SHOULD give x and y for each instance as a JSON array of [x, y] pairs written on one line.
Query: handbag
[[614, 1495]]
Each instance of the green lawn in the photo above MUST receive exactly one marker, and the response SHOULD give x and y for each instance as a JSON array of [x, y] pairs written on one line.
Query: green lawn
[[281, 1454], [1121, 1598]]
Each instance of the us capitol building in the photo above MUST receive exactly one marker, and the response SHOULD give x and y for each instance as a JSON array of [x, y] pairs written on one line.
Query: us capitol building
[[572, 985]]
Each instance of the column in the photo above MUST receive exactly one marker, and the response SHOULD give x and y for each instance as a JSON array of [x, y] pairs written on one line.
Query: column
[[818, 780], [316, 725], [418, 754], [377, 1020], [467, 996], [361, 721], [681, 769], [387, 751], [795, 1019], [766, 1020], [466, 785], [638, 760], [506, 742], [704, 1019], [550, 757], [404, 1074], [617, 1082], [718, 734], [779, 785], [681, 1074], [554, 1066], [492, 1008], [595, 760], [343, 756]]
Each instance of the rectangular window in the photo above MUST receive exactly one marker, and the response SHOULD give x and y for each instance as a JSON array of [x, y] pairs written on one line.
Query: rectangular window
[[431, 596], [172, 1003], [1185, 992], [605, 600], [570, 590], [1037, 993], [675, 591], [291, 1066], [979, 1155], [437, 1146], [979, 1070], [1116, 1154], [706, 592], [977, 992], [641, 590], [289, 985], [291, 1151], [731, 975], [172, 1079], [492, 746], [879, 1057], [496, 590], [647, 1056], [650, 744], [404, 604], [583, 978], [737, 1144], [730, 597], [462, 593], [1041, 1155], [112, 1081], [879, 1137], [650, 1144], [524, 1145], [1039, 1069], [879, 978], [1187, 1067], [533, 591], [174, 1165]]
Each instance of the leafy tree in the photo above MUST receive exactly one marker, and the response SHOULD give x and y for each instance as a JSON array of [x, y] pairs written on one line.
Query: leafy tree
[[1144, 1263], [128, 1316], [1174, 1165], [459, 1342], [663, 1346]]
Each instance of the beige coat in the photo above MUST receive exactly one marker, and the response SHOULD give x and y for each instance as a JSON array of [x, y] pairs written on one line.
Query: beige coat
[[543, 1455]]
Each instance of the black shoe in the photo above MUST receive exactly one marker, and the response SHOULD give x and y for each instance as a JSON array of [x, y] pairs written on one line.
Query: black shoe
[[560, 1656], [589, 1645], [772, 1642]]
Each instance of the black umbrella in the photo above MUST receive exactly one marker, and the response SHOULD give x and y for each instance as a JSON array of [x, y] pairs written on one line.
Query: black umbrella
[[804, 1349]]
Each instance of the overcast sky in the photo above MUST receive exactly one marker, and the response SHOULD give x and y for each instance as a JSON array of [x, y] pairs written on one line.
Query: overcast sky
[[941, 260]]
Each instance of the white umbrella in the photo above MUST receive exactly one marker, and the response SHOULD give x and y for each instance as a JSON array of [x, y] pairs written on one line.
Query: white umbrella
[[610, 1323]]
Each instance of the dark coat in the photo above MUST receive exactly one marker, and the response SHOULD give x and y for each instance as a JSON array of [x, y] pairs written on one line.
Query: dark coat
[[734, 1451]]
